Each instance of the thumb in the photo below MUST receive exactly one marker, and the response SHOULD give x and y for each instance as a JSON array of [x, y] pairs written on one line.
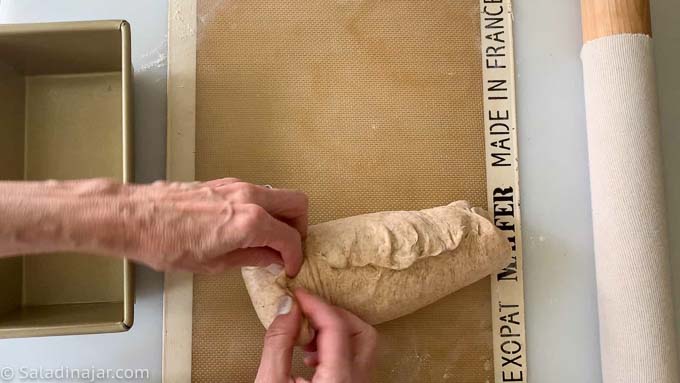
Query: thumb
[[279, 342]]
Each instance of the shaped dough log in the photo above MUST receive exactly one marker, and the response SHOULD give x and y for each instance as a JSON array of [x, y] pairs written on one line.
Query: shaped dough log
[[385, 265]]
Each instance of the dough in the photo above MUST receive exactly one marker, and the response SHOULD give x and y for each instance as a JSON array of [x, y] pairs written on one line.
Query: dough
[[385, 265]]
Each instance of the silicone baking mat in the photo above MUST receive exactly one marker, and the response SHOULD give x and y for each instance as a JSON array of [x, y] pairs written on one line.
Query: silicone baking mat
[[366, 106]]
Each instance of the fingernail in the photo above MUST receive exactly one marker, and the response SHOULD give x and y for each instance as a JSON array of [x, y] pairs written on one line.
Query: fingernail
[[274, 268], [285, 304]]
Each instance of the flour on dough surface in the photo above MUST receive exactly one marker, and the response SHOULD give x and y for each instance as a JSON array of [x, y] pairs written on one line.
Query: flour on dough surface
[[384, 265]]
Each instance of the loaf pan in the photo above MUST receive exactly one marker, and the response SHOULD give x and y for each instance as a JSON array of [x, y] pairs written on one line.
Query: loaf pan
[[65, 113]]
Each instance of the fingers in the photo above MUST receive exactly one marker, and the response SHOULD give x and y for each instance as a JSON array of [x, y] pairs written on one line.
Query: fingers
[[253, 256], [364, 337], [288, 205], [340, 338], [332, 339], [343, 339], [279, 342], [262, 230], [275, 216]]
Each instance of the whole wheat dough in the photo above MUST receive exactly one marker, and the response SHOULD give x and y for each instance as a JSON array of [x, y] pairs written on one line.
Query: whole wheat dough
[[384, 265]]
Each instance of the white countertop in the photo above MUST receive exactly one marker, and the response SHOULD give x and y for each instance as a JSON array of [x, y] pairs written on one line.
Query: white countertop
[[561, 307]]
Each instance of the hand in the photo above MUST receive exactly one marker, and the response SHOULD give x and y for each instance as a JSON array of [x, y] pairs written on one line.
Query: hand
[[203, 227], [211, 226], [343, 349]]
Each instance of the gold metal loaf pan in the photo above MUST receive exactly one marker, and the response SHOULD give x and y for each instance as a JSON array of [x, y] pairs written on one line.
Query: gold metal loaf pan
[[65, 113]]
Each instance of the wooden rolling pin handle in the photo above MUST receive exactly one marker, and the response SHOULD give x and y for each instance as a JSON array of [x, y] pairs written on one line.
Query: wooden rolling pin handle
[[601, 18]]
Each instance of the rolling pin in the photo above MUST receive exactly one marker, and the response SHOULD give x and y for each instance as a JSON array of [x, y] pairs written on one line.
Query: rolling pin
[[635, 307]]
